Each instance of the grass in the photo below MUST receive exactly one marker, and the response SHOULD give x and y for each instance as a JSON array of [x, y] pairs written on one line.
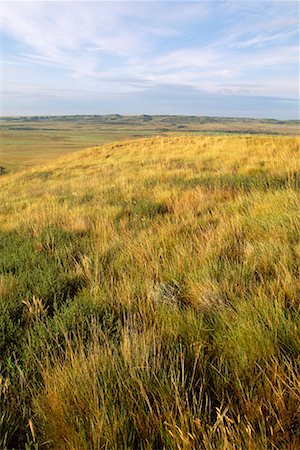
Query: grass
[[149, 296], [28, 141]]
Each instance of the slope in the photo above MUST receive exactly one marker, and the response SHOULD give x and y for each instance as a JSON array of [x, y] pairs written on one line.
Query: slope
[[149, 295]]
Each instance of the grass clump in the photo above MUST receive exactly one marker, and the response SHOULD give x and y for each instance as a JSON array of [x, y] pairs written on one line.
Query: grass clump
[[151, 299]]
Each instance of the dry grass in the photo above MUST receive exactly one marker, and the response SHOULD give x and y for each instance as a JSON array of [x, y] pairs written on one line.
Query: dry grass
[[150, 297]]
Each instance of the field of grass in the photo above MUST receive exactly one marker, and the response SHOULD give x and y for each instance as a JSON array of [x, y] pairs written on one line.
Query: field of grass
[[149, 297], [27, 141]]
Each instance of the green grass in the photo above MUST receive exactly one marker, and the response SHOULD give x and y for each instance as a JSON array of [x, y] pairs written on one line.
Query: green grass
[[149, 297]]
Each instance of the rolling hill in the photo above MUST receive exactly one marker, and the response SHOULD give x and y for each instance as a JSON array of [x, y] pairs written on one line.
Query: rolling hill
[[149, 296], [29, 141]]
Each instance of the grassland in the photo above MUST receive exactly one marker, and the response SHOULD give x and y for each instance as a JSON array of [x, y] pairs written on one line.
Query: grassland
[[149, 294], [26, 141]]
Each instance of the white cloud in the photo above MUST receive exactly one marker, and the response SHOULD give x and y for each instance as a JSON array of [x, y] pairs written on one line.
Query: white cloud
[[122, 47]]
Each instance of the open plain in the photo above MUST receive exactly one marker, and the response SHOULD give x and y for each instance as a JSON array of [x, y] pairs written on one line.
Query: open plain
[[26, 141]]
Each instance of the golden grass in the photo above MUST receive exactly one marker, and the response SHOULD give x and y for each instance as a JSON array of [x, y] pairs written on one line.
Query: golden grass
[[156, 296]]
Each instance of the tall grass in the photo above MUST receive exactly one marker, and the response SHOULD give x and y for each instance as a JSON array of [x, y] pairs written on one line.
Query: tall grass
[[149, 297]]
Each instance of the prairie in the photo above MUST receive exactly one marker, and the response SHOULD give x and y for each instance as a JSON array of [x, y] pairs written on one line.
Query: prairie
[[149, 294], [27, 141]]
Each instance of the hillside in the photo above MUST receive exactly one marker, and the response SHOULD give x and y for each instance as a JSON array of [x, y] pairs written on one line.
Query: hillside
[[27, 141], [149, 296]]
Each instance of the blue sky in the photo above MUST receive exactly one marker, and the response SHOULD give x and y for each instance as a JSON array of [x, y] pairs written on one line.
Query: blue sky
[[221, 58]]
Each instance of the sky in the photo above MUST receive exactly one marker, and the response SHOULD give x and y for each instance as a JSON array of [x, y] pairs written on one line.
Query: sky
[[210, 57]]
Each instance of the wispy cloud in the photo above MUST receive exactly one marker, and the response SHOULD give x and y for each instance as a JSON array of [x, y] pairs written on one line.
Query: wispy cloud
[[217, 47]]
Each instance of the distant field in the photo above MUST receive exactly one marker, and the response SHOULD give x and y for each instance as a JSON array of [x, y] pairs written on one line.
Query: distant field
[[149, 297], [26, 141]]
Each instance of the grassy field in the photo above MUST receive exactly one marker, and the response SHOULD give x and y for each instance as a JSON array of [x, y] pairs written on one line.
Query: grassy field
[[26, 141], [149, 297]]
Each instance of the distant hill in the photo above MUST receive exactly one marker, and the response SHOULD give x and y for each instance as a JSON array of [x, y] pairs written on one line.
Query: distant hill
[[171, 120], [26, 141]]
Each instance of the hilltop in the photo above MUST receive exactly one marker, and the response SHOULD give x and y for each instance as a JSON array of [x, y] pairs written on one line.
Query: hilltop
[[27, 141], [149, 296]]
